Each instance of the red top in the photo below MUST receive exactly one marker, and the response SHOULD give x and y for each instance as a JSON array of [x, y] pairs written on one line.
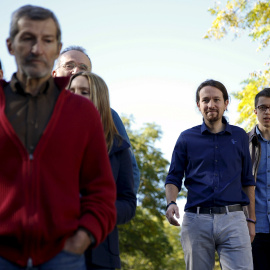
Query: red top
[[66, 184]]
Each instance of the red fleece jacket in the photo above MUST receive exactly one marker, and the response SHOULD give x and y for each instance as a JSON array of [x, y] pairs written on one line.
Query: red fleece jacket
[[66, 184]]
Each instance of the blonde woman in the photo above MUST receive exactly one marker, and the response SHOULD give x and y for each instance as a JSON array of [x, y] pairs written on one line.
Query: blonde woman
[[91, 86]]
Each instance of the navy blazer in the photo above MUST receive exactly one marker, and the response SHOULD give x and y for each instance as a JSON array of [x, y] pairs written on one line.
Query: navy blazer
[[107, 253]]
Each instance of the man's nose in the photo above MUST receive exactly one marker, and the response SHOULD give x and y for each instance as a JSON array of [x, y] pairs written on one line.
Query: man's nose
[[211, 103], [78, 92], [75, 70], [37, 48]]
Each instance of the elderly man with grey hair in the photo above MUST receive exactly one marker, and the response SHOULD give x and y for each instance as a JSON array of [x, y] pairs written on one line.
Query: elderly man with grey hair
[[74, 59], [57, 192]]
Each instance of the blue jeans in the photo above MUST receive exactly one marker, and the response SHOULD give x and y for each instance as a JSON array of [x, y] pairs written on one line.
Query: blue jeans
[[62, 261], [202, 234]]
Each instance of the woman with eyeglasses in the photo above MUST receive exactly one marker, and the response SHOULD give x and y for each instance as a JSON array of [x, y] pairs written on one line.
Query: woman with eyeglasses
[[91, 86]]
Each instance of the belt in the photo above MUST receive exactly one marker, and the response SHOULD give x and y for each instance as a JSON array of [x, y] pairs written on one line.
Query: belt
[[215, 209]]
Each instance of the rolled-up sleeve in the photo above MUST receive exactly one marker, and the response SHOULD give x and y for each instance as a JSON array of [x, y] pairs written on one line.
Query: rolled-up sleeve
[[178, 163]]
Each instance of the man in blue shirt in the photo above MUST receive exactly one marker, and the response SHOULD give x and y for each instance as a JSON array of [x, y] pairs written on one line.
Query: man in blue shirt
[[214, 159], [259, 141], [74, 59]]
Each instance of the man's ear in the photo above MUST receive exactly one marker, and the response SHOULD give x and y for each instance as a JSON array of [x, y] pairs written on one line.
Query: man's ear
[[59, 49], [226, 104], [255, 111], [198, 105], [9, 46], [54, 73]]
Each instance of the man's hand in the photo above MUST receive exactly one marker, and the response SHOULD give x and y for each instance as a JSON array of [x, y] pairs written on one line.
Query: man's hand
[[250, 191], [251, 228], [171, 211], [77, 243]]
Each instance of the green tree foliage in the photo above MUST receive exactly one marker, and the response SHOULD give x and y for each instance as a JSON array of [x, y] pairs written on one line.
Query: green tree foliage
[[148, 241], [251, 17], [238, 16]]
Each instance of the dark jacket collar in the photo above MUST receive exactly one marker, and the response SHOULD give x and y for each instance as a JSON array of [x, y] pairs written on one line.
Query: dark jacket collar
[[3, 83], [253, 137], [118, 145]]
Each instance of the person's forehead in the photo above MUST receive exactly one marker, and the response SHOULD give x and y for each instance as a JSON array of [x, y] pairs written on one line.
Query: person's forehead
[[80, 80], [75, 56], [80, 83], [45, 27], [264, 100], [210, 91]]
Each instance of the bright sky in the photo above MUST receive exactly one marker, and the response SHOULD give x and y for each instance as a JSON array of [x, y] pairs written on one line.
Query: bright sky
[[152, 55]]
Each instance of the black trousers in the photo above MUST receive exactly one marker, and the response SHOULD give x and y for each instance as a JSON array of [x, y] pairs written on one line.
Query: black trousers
[[261, 251], [96, 267]]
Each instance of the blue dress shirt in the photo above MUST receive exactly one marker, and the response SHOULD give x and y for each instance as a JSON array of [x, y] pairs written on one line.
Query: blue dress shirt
[[215, 166], [262, 191]]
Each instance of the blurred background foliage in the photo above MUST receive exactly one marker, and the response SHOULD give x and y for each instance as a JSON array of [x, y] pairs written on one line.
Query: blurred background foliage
[[238, 18]]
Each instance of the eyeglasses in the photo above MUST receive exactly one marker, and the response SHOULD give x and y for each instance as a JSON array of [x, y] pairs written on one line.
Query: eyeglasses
[[263, 108], [71, 65]]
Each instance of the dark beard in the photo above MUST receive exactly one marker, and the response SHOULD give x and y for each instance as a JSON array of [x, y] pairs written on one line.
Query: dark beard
[[213, 119]]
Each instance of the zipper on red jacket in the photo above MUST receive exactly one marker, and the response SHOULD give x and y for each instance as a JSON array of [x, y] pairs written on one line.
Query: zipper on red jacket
[[31, 239]]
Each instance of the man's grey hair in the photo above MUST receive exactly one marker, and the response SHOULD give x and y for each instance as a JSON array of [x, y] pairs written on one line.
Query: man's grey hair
[[35, 13], [73, 48]]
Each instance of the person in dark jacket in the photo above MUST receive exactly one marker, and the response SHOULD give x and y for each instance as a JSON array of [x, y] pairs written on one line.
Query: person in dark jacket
[[259, 147], [106, 255]]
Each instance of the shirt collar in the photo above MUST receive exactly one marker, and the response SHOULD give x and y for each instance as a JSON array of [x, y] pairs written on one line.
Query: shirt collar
[[17, 87], [258, 132], [228, 129], [60, 82]]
